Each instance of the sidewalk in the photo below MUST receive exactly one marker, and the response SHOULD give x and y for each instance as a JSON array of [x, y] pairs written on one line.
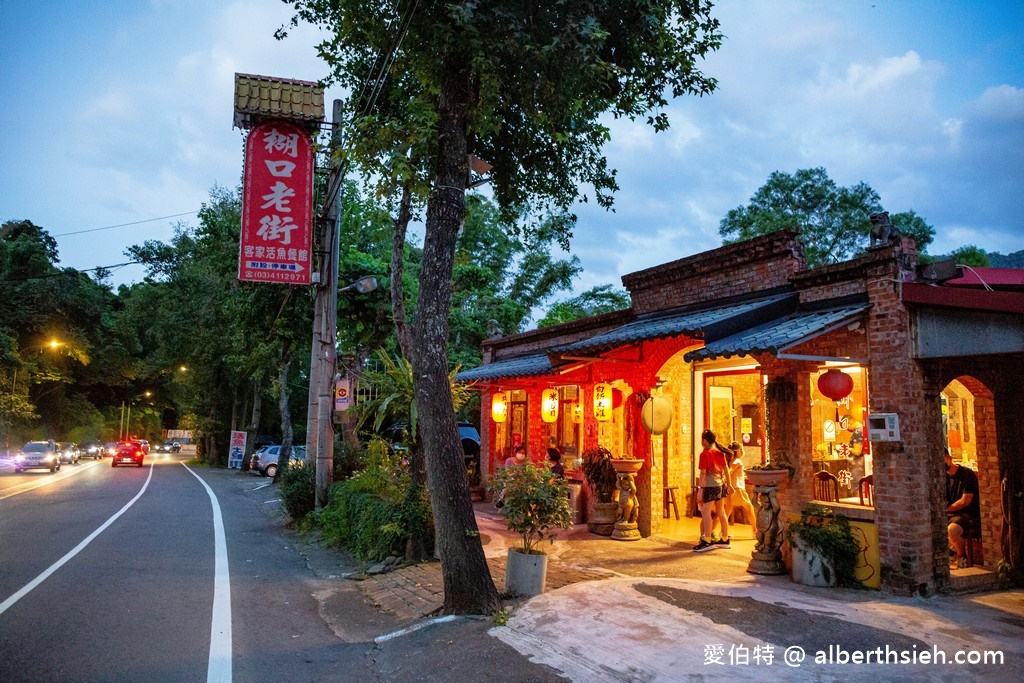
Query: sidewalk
[[652, 610]]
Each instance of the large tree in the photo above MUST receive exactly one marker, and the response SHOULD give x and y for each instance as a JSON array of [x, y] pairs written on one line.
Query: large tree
[[595, 301], [524, 86], [834, 220]]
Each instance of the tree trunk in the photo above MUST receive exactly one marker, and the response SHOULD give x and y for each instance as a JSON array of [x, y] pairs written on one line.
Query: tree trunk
[[253, 429], [286, 416], [468, 587]]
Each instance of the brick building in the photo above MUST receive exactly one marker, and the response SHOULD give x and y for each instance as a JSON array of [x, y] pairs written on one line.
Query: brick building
[[736, 340]]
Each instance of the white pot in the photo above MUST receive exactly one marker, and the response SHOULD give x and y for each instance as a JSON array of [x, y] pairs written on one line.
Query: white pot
[[810, 568], [525, 574]]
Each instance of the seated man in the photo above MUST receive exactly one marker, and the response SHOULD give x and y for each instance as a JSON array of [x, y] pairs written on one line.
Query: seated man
[[962, 507]]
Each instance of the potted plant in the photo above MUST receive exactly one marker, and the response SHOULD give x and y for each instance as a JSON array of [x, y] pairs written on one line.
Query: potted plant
[[536, 504], [824, 549], [601, 478], [771, 473]]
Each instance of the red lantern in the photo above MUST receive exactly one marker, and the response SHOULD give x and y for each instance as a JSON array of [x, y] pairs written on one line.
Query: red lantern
[[617, 397], [835, 384]]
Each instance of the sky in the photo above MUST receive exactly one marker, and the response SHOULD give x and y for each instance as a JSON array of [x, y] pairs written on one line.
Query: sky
[[119, 121]]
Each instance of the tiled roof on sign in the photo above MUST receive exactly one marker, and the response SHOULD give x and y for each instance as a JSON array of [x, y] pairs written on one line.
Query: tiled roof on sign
[[263, 98]]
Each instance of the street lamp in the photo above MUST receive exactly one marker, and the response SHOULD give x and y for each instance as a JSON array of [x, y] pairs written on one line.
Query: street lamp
[[126, 429]]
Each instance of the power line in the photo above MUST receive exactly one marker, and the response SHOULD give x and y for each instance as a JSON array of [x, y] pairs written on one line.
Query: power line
[[122, 225]]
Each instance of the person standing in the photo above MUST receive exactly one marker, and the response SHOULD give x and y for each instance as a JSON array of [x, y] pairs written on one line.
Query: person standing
[[962, 507], [555, 460], [713, 477], [738, 480]]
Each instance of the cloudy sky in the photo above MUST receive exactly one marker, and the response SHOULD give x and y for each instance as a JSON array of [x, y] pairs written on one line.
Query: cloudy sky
[[119, 114]]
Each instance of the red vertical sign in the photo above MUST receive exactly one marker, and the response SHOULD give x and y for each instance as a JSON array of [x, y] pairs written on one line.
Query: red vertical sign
[[277, 205]]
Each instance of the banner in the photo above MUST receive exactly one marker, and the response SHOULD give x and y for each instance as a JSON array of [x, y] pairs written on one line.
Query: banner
[[277, 205], [237, 451]]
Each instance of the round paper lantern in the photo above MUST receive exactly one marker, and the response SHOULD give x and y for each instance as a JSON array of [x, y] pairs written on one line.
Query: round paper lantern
[[549, 405], [656, 415], [602, 402], [617, 398], [499, 407], [835, 384]]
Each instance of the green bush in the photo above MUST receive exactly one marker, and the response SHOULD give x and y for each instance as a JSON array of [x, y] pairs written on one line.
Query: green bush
[[297, 485], [374, 512], [832, 537]]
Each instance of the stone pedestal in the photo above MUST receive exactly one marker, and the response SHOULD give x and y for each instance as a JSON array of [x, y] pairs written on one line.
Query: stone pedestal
[[626, 528], [626, 531], [767, 555]]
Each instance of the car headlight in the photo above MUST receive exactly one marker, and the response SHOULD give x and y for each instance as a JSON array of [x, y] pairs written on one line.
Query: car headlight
[[19, 457]]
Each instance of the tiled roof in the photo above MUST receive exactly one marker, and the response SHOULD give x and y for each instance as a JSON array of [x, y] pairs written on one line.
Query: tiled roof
[[523, 366], [778, 335], [706, 323], [261, 98]]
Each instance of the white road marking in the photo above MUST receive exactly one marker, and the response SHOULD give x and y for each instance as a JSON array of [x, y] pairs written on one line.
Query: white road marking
[[219, 666], [61, 476], [416, 627], [9, 602]]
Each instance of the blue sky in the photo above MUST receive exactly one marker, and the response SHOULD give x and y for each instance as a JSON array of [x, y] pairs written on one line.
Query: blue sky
[[120, 113]]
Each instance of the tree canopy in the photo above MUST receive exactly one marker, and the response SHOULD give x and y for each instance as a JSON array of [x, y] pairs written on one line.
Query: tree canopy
[[834, 220]]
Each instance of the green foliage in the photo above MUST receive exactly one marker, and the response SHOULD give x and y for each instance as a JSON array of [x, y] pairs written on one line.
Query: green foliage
[[376, 511], [535, 503], [297, 486], [599, 471], [595, 301], [834, 220], [970, 255], [910, 224], [821, 529]]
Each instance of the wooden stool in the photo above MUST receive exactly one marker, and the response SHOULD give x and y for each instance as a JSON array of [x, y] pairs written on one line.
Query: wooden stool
[[670, 501], [969, 541]]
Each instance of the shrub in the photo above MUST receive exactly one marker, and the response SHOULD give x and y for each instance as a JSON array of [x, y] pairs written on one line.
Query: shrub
[[831, 536], [297, 485], [536, 501], [375, 511]]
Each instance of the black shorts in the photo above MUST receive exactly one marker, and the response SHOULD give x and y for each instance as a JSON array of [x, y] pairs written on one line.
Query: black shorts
[[712, 493], [965, 522]]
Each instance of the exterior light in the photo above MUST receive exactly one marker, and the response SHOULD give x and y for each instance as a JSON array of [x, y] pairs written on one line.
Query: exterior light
[[603, 402], [549, 405], [499, 407], [835, 384]]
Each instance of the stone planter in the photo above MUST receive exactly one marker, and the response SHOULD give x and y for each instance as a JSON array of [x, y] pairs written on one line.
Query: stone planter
[[766, 477], [626, 466], [810, 568], [602, 518], [525, 574]]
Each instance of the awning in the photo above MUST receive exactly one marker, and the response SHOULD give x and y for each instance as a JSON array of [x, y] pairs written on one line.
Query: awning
[[705, 323], [508, 368], [778, 335]]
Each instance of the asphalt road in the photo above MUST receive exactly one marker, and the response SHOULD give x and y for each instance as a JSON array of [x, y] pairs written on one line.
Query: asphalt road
[[173, 572]]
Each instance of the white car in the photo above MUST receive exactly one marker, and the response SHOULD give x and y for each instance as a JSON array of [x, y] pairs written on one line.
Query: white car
[[264, 460]]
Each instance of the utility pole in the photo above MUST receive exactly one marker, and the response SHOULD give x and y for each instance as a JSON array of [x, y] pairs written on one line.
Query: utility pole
[[324, 353]]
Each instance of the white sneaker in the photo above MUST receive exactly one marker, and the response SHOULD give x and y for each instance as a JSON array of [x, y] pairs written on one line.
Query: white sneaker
[[962, 563]]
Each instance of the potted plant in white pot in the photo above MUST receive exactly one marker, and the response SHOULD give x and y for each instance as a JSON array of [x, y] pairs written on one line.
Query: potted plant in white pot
[[824, 548], [536, 505]]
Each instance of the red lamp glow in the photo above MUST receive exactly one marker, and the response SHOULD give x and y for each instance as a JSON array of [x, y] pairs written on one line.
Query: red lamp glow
[[835, 384]]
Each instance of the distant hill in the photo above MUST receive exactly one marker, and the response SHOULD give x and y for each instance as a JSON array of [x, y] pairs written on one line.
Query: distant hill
[[1014, 260]]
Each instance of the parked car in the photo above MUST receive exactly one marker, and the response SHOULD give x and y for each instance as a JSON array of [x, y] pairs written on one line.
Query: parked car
[[398, 433], [69, 453], [128, 452], [168, 447], [144, 444], [91, 449], [264, 460], [37, 455]]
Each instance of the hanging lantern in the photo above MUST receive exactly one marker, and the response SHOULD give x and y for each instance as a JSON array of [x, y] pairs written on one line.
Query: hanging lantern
[[499, 407], [603, 402], [617, 398], [835, 384], [656, 415], [549, 405]]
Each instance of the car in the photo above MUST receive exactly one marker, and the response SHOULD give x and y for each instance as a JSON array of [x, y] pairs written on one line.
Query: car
[[264, 460], [128, 452], [37, 455], [109, 449], [144, 444], [69, 453], [168, 447], [91, 449], [398, 433]]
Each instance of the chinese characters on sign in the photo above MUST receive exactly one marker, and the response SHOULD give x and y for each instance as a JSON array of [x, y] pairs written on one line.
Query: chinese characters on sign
[[277, 205]]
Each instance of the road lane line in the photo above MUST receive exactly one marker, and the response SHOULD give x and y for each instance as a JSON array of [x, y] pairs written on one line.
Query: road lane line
[[33, 485], [9, 602], [219, 666]]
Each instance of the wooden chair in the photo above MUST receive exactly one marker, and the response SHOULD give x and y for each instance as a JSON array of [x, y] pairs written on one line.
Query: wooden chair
[[867, 490], [826, 487]]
